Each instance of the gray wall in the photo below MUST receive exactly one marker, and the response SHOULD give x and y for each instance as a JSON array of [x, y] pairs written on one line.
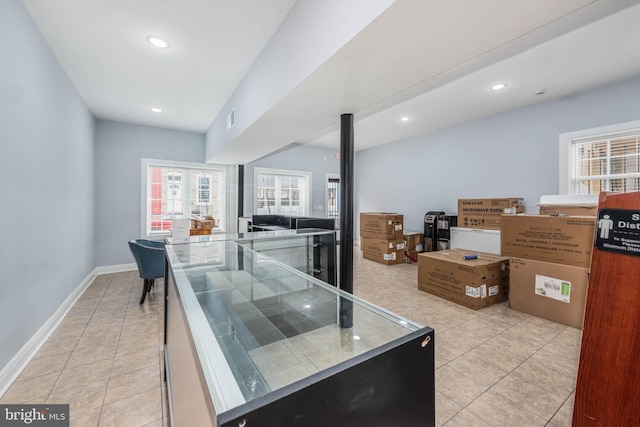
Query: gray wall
[[318, 161], [71, 191], [514, 154], [119, 150], [46, 190]]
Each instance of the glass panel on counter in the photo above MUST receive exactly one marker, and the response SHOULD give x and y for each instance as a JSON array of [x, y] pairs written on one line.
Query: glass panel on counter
[[274, 325], [311, 251]]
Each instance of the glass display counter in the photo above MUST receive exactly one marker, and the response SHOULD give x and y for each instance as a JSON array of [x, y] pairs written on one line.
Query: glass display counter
[[311, 250], [251, 341]]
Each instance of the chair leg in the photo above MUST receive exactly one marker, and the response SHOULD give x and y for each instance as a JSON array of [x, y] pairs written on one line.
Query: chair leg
[[145, 289]]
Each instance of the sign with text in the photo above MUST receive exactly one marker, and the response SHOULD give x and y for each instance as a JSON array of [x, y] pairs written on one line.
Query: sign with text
[[618, 230], [180, 230], [34, 415]]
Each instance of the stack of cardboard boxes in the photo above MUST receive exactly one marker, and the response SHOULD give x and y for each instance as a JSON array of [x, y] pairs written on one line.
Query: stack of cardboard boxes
[[550, 257], [382, 238], [202, 226], [544, 264]]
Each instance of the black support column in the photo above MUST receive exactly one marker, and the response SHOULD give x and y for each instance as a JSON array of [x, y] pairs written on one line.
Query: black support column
[[346, 218], [240, 190], [240, 212]]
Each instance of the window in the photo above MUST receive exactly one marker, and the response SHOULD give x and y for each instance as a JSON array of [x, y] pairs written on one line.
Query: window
[[204, 189], [603, 159], [181, 191], [173, 195], [281, 192], [333, 196]]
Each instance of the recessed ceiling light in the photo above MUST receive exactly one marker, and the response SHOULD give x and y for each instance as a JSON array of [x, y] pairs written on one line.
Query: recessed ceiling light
[[156, 109], [158, 42], [405, 119], [498, 86]]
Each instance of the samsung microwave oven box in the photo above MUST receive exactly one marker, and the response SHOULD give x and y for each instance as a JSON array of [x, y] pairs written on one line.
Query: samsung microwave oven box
[[383, 251], [552, 291], [379, 225], [473, 283], [487, 213], [559, 239]]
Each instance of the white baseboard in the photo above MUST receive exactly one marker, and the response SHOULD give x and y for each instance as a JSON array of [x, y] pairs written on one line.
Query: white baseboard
[[16, 365], [118, 268]]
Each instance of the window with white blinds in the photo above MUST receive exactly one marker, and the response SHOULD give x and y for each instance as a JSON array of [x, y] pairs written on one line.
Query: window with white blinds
[[333, 197], [282, 192], [606, 163], [182, 192]]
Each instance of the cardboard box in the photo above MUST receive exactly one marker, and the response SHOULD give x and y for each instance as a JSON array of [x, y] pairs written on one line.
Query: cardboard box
[[378, 225], [569, 204], [413, 245], [473, 283], [487, 213], [200, 231], [383, 251], [205, 224], [548, 238], [552, 291], [570, 210], [414, 240], [411, 257]]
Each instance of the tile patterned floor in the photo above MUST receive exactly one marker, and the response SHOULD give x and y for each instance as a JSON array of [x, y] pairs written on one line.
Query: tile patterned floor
[[494, 367], [104, 359]]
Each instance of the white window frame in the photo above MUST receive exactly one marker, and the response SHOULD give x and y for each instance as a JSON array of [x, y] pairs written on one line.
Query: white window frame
[[329, 176], [179, 187], [566, 156], [230, 195], [305, 194], [210, 178]]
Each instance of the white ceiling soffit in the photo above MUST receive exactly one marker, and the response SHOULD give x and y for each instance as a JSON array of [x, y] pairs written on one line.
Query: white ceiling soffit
[[102, 46], [591, 56], [414, 47]]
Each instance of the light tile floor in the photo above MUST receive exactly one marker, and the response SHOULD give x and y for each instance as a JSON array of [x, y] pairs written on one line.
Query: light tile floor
[[494, 367], [105, 358]]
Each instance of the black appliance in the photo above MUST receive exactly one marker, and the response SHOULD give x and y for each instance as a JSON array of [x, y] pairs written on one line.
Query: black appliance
[[437, 233]]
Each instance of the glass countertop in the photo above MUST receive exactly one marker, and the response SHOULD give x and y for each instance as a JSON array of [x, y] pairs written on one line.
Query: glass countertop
[[255, 235], [259, 325]]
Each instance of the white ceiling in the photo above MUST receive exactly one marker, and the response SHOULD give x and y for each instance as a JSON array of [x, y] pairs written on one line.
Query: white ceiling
[[102, 46], [430, 60], [590, 56]]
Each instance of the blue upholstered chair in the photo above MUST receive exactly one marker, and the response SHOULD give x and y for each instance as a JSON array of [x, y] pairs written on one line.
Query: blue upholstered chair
[[149, 256]]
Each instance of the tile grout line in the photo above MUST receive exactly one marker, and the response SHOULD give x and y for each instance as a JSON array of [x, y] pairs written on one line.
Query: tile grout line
[[502, 377], [114, 355], [129, 306], [76, 344]]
